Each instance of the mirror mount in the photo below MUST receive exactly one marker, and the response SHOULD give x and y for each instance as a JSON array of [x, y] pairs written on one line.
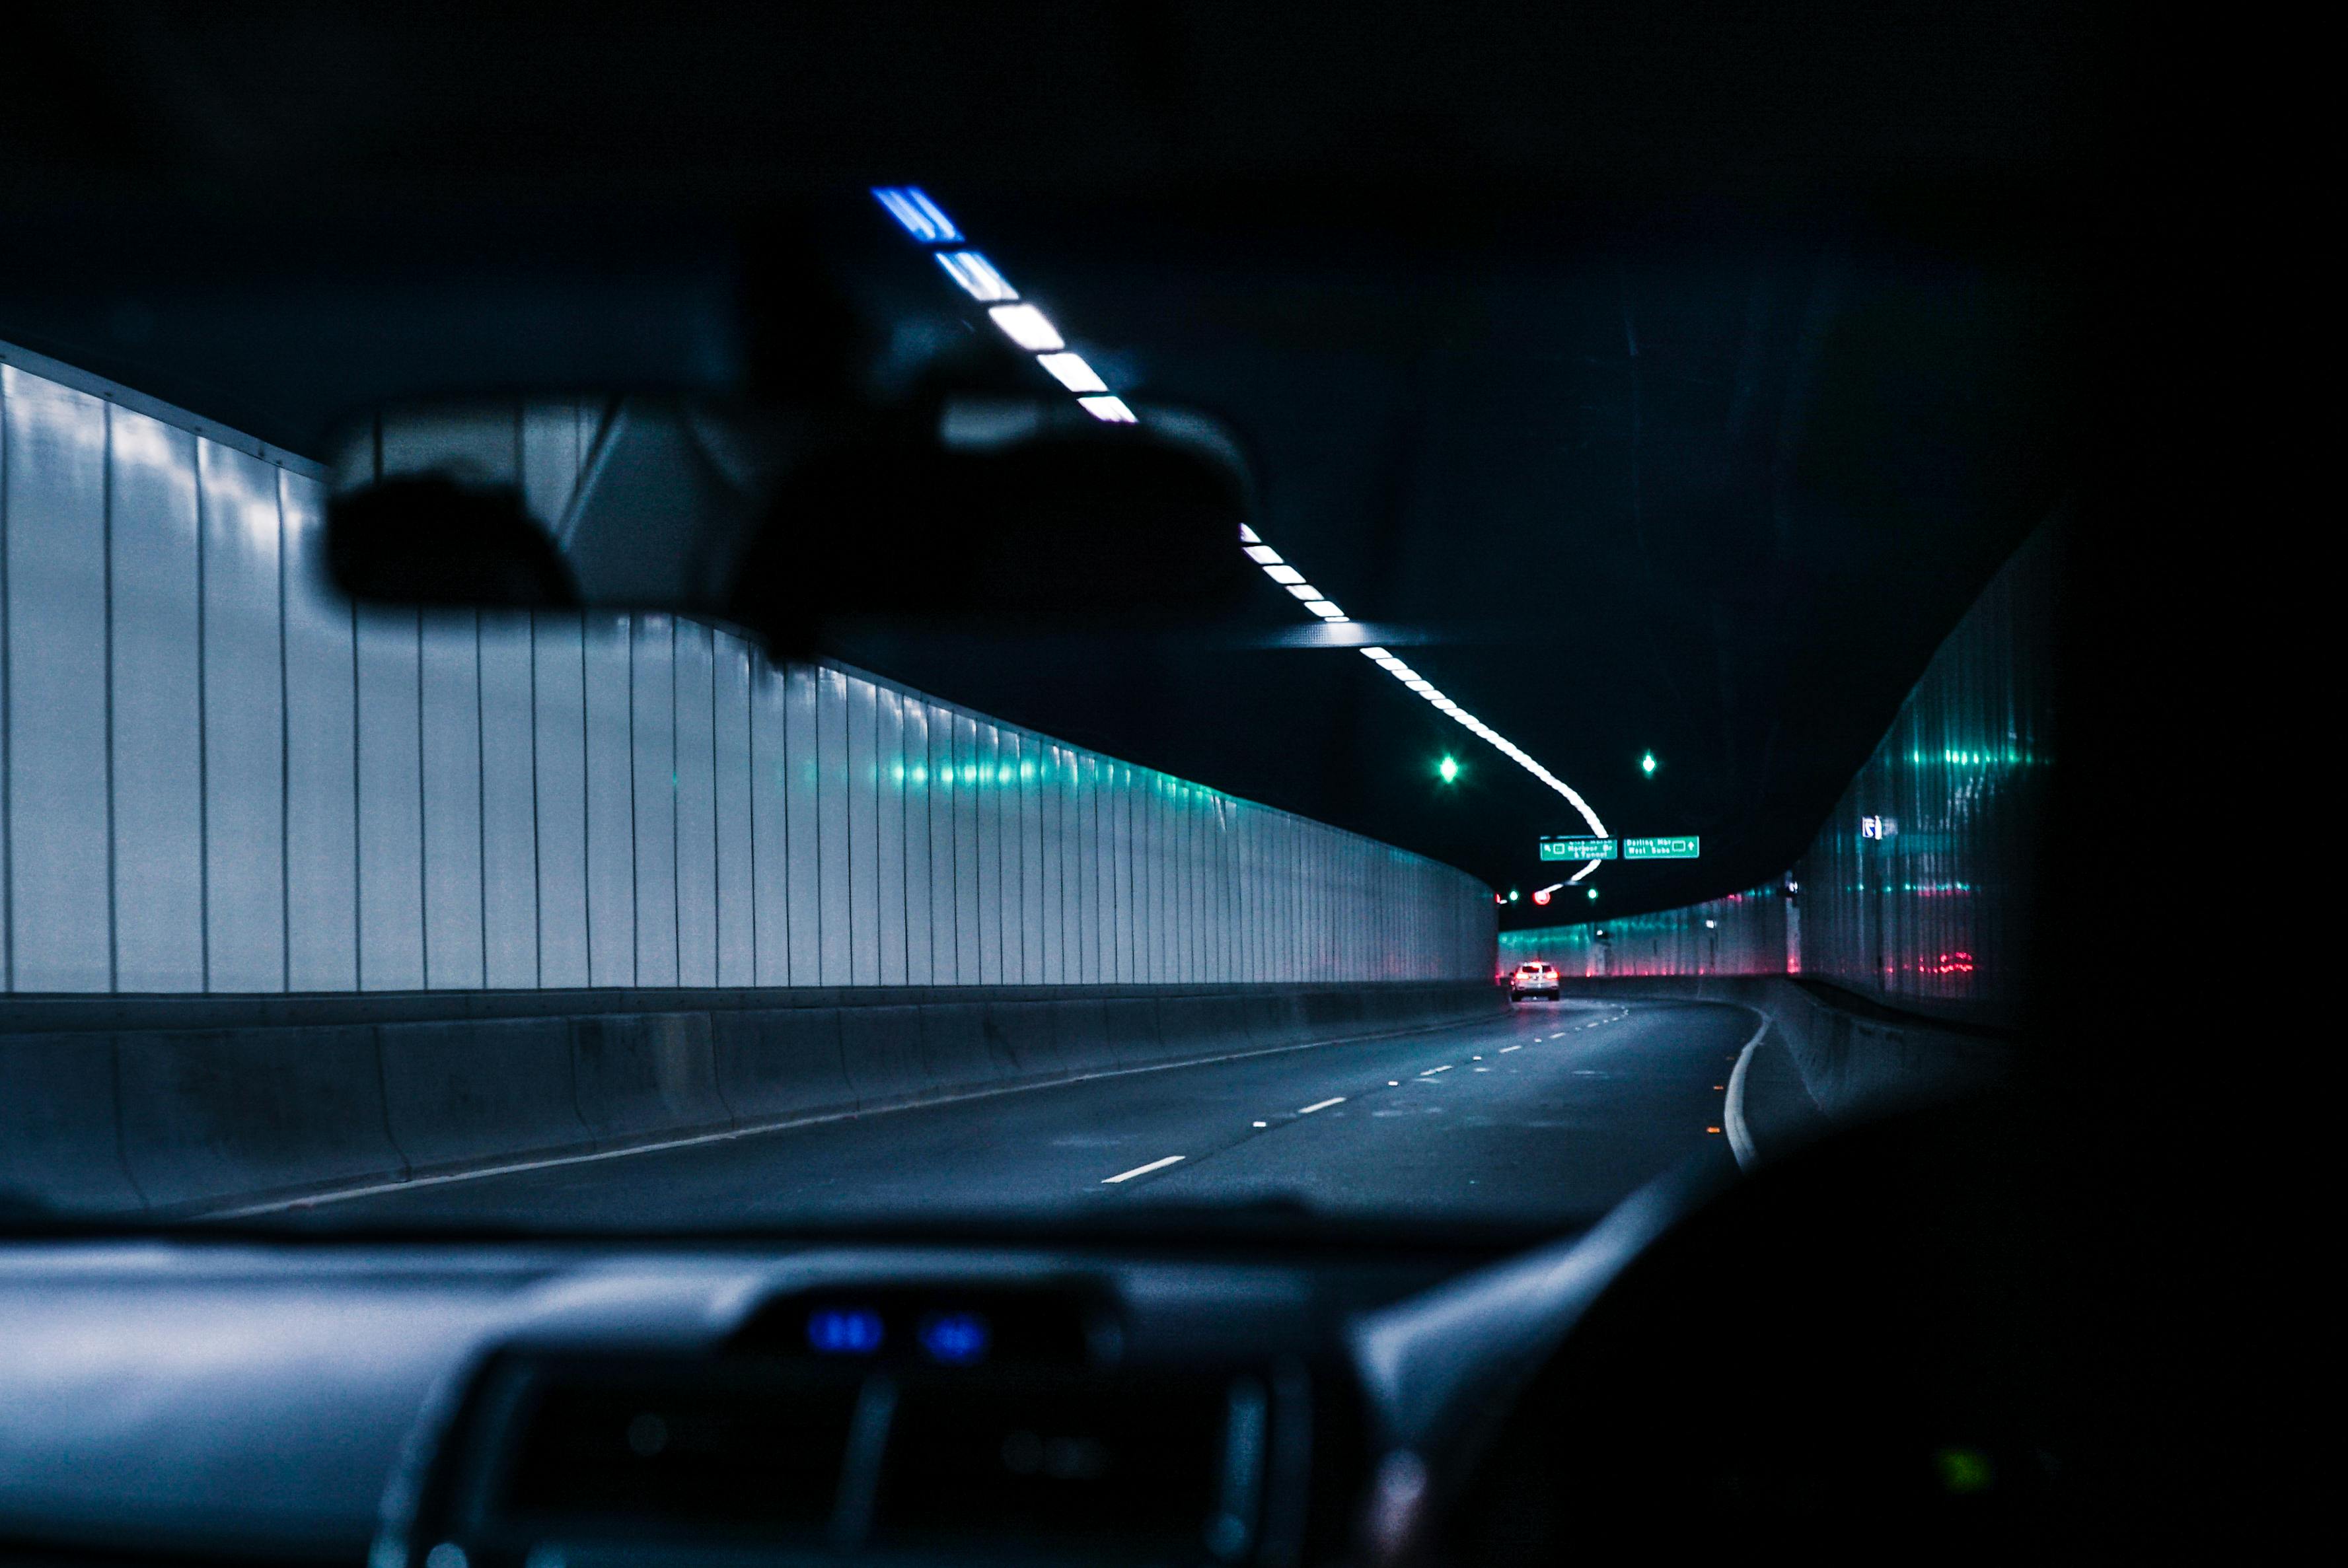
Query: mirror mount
[[979, 514], [429, 541]]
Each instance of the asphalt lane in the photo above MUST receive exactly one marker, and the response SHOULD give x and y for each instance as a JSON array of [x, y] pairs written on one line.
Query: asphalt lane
[[1555, 1111]]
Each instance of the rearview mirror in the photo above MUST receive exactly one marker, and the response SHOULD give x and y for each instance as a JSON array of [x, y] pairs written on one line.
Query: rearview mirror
[[999, 515]]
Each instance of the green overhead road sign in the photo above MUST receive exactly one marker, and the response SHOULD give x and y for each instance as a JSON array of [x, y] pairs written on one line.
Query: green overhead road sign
[[1687, 848], [1576, 848]]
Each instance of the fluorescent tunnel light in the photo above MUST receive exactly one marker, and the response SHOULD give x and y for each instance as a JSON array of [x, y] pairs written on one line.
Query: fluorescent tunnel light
[[909, 206], [1026, 326], [1108, 410], [1071, 371], [976, 275]]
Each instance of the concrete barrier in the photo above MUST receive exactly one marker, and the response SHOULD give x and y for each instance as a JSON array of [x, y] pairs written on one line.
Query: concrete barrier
[[1132, 1030], [60, 1143], [1193, 1025], [641, 1075], [956, 1052], [1080, 1027], [778, 1063], [1278, 1020], [213, 1115], [1028, 1036], [880, 1049], [464, 1092], [314, 1093]]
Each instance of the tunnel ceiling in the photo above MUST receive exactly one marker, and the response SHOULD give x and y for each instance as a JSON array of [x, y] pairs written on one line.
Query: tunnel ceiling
[[1664, 393]]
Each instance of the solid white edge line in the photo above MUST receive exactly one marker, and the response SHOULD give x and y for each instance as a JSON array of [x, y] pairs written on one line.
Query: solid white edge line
[[755, 1130], [1731, 1115], [1141, 1170], [1321, 1106]]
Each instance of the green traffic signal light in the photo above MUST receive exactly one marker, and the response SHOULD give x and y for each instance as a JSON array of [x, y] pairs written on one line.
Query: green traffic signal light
[[1647, 765], [1447, 768], [1593, 892]]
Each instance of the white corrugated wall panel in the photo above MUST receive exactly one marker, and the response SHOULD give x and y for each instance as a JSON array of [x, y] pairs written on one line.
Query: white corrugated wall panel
[[920, 896], [158, 772], [737, 912], [889, 787], [609, 730], [449, 681], [391, 804], [945, 855], [55, 570], [833, 903], [322, 787], [862, 787], [802, 780], [558, 772], [770, 889], [695, 782], [510, 875], [963, 778], [652, 693]]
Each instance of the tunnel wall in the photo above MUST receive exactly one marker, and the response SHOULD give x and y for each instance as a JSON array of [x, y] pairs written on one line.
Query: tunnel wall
[[1742, 933], [1917, 893], [221, 778]]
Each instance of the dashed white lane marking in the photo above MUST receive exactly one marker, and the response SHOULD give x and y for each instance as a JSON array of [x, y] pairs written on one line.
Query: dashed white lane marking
[[1506, 1048], [1263, 1124], [1321, 1104], [1141, 1170], [1433, 1070]]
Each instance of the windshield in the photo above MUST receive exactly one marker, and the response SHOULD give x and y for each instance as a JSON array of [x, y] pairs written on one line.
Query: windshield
[[621, 907]]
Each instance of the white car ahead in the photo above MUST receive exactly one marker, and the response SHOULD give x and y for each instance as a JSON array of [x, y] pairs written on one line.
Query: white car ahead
[[1534, 978]]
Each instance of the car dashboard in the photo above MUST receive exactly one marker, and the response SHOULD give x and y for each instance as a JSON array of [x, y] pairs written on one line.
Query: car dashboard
[[464, 1404]]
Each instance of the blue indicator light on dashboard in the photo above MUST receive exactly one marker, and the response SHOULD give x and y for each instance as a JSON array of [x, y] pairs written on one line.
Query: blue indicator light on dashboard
[[844, 1331], [956, 1339]]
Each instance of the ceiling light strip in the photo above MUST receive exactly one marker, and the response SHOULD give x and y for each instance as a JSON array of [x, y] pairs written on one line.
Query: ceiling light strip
[[1033, 331], [1434, 698], [1022, 323]]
